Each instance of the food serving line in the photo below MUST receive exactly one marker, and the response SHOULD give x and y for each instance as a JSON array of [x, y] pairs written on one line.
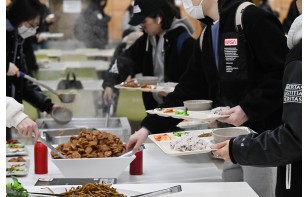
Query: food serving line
[[197, 174]]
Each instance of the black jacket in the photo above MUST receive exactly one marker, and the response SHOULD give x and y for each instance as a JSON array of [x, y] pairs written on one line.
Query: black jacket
[[138, 59], [91, 28], [18, 88], [249, 77], [282, 145]]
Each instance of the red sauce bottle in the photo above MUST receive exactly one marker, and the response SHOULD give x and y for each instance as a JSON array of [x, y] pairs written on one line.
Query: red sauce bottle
[[136, 166], [40, 158]]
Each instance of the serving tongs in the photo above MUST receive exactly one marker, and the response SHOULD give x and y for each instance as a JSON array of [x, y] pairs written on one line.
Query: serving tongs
[[131, 152], [170, 190], [50, 146]]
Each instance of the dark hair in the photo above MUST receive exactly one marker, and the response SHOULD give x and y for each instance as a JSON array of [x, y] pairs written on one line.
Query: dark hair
[[167, 14], [24, 10]]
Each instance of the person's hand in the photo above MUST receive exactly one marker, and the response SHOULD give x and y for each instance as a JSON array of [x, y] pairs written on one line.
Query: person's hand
[[26, 127], [137, 139], [13, 70], [108, 95], [212, 124], [223, 150], [50, 18], [237, 116], [163, 94], [40, 38]]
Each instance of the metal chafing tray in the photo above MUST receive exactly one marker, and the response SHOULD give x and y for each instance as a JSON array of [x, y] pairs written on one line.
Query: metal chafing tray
[[56, 133]]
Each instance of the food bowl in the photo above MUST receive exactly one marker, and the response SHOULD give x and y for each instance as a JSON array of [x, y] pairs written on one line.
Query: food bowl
[[109, 167], [62, 115], [198, 105], [147, 80], [222, 134]]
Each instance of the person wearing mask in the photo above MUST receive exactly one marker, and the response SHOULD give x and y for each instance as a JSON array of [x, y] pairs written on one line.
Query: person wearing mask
[[22, 20], [163, 50], [243, 71], [39, 40], [91, 26], [16, 118], [282, 146]]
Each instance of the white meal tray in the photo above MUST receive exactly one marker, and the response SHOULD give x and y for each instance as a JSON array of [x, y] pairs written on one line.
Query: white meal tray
[[23, 168], [154, 88], [16, 151], [166, 148], [203, 116]]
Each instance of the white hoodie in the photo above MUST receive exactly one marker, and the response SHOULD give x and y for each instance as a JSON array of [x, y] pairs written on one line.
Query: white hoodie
[[14, 114]]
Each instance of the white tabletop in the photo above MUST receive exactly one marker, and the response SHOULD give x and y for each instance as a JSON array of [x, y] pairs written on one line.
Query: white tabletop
[[193, 172], [99, 65]]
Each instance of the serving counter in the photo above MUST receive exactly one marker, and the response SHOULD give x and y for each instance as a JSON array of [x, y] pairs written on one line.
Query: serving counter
[[197, 174]]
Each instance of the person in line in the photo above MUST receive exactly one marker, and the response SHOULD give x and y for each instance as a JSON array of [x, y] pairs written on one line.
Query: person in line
[[163, 50], [243, 71], [39, 40], [16, 118], [127, 28], [127, 41], [282, 146], [22, 19], [91, 26], [292, 14]]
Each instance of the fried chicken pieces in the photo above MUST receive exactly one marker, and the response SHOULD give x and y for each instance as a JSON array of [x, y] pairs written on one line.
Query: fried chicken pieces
[[91, 144]]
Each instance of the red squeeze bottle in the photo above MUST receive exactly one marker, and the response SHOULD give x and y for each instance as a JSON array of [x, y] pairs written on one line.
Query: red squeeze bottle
[[40, 158], [136, 165]]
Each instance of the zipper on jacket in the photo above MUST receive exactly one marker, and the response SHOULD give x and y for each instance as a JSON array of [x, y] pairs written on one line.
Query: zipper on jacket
[[288, 176]]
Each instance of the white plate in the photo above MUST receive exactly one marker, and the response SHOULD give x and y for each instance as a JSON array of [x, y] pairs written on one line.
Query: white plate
[[190, 124], [165, 145], [204, 116], [23, 167], [61, 189], [154, 89], [16, 151]]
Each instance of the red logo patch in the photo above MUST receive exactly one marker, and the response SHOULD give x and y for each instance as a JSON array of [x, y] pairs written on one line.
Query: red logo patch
[[231, 42]]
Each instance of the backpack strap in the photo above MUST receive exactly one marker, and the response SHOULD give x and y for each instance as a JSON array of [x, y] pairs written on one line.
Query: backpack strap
[[201, 37], [238, 19]]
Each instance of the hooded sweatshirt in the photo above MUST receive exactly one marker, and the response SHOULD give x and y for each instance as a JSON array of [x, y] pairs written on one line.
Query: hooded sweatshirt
[[167, 58], [14, 114], [282, 146]]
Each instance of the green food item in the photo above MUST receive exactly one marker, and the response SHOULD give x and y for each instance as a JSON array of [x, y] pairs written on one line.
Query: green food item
[[16, 186], [182, 113], [179, 134]]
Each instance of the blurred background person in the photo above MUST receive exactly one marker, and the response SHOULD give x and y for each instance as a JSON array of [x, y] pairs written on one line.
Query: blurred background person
[[39, 40], [16, 118], [264, 5], [127, 41], [127, 28], [91, 26], [22, 20]]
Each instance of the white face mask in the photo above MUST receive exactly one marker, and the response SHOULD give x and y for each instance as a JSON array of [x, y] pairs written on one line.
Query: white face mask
[[194, 11], [26, 32]]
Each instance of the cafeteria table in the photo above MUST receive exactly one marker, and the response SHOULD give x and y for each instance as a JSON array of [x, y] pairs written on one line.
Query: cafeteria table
[[197, 174], [99, 65]]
